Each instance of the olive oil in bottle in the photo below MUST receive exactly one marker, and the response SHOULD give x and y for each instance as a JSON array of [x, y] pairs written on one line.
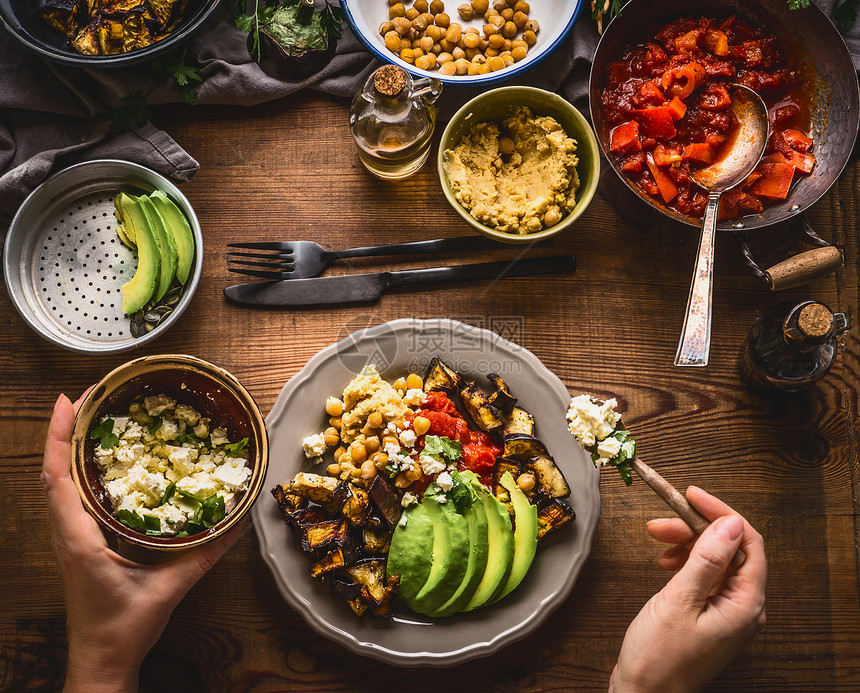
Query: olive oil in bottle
[[392, 120], [791, 346]]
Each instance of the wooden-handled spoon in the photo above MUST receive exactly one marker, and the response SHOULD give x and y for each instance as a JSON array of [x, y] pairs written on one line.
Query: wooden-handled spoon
[[672, 497]]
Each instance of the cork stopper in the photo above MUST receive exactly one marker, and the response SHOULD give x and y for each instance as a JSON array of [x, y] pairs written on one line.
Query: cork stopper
[[815, 320], [390, 80]]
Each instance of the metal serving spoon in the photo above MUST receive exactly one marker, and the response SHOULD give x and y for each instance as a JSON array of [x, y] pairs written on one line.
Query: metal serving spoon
[[742, 155]]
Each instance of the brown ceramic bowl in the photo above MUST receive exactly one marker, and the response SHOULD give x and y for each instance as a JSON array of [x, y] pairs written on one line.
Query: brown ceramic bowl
[[210, 390]]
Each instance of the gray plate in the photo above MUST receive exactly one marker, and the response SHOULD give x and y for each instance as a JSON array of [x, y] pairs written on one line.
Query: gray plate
[[64, 264], [398, 348]]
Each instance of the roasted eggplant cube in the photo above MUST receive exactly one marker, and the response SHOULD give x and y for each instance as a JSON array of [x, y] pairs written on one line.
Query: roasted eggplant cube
[[387, 497], [60, 15], [335, 559], [549, 476], [504, 464], [553, 516], [287, 502], [518, 421], [383, 607], [354, 502], [349, 591], [523, 447], [370, 574], [325, 534], [314, 487], [441, 377], [476, 404], [375, 541], [501, 397]]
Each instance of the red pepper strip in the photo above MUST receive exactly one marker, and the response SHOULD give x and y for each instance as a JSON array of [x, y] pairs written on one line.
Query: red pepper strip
[[802, 162], [666, 186], [683, 81], [775, 158], [678, 108], [625, 138], [657, 121], [775, 181], [699, 152], [797, 140]]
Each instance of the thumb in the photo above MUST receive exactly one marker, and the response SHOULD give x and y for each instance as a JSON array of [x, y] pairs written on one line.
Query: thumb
[[709, 559]]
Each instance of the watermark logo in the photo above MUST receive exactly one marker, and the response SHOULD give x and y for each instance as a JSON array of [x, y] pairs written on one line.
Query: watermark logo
[[357, 349]]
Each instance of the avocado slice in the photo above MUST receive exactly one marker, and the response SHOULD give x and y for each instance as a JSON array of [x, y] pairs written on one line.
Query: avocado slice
[[137, 292], [123, 237], [450, 555], [476, 517], [165, 243], [500, 550], [177, 224], [525, 535], [411, 544]]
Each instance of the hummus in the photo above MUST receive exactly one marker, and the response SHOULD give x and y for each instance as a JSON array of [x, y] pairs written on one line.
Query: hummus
[[518, 179]]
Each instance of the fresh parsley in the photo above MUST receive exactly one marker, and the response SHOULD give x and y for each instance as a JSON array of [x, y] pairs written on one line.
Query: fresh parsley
[[607, 10], [148, 524], [105, 435], [235, 448], [622, 460], [330, 18], [155, 425], [442, 448], [798, 4]]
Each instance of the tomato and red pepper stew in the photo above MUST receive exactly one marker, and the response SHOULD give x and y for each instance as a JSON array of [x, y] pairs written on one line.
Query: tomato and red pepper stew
[[667, 106]]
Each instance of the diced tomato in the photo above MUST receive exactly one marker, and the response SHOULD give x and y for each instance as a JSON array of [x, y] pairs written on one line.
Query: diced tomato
[[439, 401], [775, 158], [715, 98], [667, 156], [797, 140], [678, 108], [633, 163], [683, 81], [665, 184], [649, 93], [624, 139], [777, 143], [804, 163], [657, 121], [689, 42], [699, 153], [716, 41], [775, 181]]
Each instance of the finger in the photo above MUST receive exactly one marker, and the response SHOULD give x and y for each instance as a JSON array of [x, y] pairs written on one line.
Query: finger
[[671, 530], [709, 559], [673, 558], [179, 575], [754, 568], [80, 400]]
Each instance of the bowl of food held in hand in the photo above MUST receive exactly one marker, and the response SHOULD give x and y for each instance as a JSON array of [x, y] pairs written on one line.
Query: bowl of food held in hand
[[103, 257], [519, 164], [169, 452], [471, 43], [660, 103], [104, 34]]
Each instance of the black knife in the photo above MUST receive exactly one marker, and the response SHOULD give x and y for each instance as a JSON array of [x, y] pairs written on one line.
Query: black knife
[[365, 288]]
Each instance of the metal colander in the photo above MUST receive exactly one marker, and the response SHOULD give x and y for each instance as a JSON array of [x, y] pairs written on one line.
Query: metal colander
[[64, 264]]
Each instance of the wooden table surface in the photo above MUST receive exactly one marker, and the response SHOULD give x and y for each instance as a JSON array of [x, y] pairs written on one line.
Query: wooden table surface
[[288, 170]]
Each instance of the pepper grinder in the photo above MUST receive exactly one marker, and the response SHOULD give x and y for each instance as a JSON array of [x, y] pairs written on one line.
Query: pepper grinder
[[392, 120], [792, 346]]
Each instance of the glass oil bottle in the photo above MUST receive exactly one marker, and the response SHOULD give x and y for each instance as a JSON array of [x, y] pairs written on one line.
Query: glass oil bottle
[[392, 120], [791, 346]]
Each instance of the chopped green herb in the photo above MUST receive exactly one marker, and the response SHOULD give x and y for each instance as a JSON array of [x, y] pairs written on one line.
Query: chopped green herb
[[152, 524], [442, 448], [131, 519], [614, 10], [235, 448], [104, 431], [168, 493], [462, 494], [155, 425], [621, 461], [798, 4]]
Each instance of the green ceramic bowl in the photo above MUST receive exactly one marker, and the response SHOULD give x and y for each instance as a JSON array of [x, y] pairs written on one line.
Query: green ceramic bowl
[[496, 105]]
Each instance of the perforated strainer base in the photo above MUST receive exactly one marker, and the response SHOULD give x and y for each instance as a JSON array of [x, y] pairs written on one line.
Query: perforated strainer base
[[65, 264]]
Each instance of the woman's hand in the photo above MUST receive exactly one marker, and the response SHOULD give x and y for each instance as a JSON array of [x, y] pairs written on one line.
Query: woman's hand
[[706, 614], [116, 608]]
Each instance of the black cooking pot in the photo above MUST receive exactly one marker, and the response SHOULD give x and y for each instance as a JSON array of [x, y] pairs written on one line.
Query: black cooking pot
[[22, 20], [808, 39]]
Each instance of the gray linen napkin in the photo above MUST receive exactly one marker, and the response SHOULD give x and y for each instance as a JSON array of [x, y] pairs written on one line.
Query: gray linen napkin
[[52, 116]]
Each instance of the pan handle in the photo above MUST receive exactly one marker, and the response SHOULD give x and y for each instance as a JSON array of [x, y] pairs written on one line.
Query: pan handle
[[803, 268]]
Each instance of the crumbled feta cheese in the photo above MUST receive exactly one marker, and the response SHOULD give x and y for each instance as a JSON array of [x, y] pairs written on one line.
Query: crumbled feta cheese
[[169, 430], [233, 473], [119, 424], [606, 450], [408, 438], [430, 465], [314, 445], [415, 397], [590, 421], [396, 459], [402, 520], [445, 481], [408, 499]]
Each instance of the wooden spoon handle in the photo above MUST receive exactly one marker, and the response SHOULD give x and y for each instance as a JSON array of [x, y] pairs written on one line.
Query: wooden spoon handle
[[676, 500]]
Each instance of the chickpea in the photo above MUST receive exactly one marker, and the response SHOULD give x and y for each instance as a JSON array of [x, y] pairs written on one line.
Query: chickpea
[[412, 13], [392, 41], [480, 6], [444, 58], [490, 13], [457, 53], [401, 481], [402, 25], [390, 440], [421, 5], [507, 14], [371, 443], [345, 462], [393, 2], [533, 26], [336, 422], [520, 19], [396, 10], [551, 217], [420, 424], [496, 63], [375, 419], [462, 67], [497, 21], [333, 470], [471, 53], [518, 53], [484, 69], [339, 453], [355, 472], [466, 12], [368, 470], [407, 55], [449, 69], [489, 29], [491, 52], [478, 59], [522, 6], [529, 37], [443, 20], [473, 69], [455, 31], [471, 41], [426, 62], [509, 30], [404, 43], [499, 5], [385, 27], [426, 45], [507, 58], [380, 459], [333, 406], [496, 41], [331, 437], [413, 473], [357, 452], [437, 6], [511, 3], [506, 145], [526, 481]]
